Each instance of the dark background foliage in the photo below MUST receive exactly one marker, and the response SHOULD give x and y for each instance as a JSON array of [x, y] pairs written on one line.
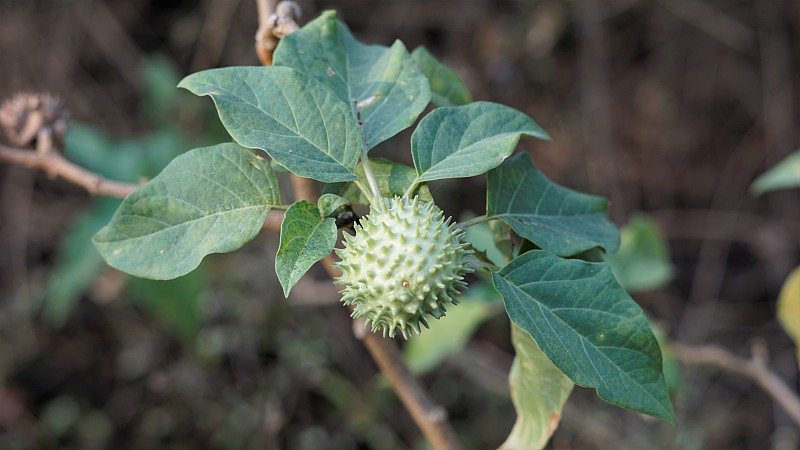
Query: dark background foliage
[[670, 107]]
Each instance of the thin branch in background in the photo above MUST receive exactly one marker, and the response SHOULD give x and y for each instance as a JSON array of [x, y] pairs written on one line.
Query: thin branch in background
[[598, 120], [110, 37], [213, 35], [303, 188], [714, 22], [754, 369], [56, 166], [709, 272]]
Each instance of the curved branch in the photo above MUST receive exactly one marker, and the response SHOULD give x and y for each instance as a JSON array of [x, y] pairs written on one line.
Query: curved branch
[[755, 369], [56, 166]]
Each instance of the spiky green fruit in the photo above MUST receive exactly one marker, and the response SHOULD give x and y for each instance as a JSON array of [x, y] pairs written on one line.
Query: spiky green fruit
[[404, 262]]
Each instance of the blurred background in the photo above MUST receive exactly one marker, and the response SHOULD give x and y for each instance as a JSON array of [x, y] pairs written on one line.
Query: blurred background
[[669, 108]]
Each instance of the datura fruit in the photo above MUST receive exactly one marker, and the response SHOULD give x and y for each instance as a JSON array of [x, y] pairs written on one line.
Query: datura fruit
[[404, 262]]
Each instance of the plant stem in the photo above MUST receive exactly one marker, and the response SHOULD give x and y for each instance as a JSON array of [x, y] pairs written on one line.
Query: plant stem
[[475, 221], [484, 269], [431, 418], [373, 183], [364, 190], [410, 189]]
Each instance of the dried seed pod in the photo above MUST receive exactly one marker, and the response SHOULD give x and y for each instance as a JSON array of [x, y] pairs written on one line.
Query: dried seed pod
[[23, 116]]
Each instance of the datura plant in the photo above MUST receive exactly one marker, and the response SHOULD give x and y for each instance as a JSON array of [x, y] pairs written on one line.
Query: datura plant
[[327, 101]]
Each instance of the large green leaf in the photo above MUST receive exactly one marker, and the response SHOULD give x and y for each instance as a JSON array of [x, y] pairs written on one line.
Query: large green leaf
[[588, 326], [447, 89], [642, 261], [538, 390], [785, 175], [555, 218], [208, 200], [306, 237], [382, 85], [465, 141], [393, 179], [294, 118]]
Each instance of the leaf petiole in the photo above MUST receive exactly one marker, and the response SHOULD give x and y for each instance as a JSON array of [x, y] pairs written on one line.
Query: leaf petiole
[[373, 183], [364, 190], [475, 221], [410, 189]]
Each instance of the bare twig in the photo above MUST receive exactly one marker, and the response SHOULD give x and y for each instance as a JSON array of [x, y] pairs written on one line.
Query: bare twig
[[56, 166], [596, 106], [274, 219], [111, 38], [213, 35], [713, 22], [304, 188], [754, 369], [431, 418]]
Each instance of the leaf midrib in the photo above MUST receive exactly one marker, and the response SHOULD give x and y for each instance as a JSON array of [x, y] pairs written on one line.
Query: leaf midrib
[[189, 222], [297, 134]]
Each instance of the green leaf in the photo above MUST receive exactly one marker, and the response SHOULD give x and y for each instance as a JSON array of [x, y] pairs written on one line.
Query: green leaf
[[465, 141], [451, 333], [789, 308], [306, 238], [294, 118], [78, 263], [208, 200], [329, 204], [538, 390], [393, 179], [381, 85], [447, 89], [555, 218], [588, 326], [785, 175], [642, 261]]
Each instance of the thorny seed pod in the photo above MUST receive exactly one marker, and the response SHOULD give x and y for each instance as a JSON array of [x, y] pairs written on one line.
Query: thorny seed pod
[[404, 263]]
